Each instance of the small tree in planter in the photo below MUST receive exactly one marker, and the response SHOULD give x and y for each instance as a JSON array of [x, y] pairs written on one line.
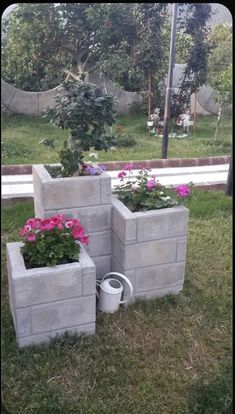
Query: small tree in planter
[[51, 280], [86, 111], [78, 187]]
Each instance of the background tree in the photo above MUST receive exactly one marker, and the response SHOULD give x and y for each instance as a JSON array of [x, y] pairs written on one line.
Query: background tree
[[220, 67], [45, 40], [192, 22]]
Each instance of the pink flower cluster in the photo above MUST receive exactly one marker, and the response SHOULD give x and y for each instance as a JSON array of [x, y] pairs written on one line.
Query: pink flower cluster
[[37, 226], [182, 190], [151, 184]]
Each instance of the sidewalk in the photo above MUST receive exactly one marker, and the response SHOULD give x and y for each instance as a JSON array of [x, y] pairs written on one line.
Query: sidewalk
[[18, 186]]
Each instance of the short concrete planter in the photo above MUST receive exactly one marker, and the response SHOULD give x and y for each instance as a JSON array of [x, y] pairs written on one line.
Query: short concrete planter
[[150, 248], [87, 198], [48, 301]]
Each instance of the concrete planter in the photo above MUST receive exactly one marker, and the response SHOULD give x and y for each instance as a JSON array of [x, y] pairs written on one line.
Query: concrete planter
[[48, 301], [150, 248], [87, 198]]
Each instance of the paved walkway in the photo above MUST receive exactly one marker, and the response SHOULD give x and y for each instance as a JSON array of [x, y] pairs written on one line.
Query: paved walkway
[[15, 186]]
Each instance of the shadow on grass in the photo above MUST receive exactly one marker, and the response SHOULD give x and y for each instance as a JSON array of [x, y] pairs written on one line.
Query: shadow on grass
[[214, 397]]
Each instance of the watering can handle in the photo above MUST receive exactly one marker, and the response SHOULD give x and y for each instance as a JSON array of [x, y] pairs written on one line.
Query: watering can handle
[[124, 278]]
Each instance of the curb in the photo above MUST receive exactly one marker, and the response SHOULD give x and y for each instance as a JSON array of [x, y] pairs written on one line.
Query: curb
[[119, 165]]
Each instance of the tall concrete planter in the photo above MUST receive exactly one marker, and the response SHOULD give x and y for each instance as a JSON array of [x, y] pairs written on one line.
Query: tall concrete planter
[[150, 248], [48, 301], [87, 198]]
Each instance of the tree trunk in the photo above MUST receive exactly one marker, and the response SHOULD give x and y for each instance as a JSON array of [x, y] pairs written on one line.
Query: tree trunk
[[149, 98], [218, 121], [229, 184], [195, 111]]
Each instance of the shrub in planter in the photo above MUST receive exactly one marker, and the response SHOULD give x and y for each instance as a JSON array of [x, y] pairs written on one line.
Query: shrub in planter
[[52, 282], [86, 112], [149, 233]]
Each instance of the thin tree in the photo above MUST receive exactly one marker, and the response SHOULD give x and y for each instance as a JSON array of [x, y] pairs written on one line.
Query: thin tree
[[169, 83]]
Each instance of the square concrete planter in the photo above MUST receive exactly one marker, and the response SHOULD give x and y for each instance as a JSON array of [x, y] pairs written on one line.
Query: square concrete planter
[[87, 198], [150, 248], [48, 301]]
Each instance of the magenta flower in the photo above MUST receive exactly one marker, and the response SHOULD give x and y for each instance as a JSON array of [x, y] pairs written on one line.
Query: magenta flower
[[121, 175], [31, 237], [183, 190], [151, 184]]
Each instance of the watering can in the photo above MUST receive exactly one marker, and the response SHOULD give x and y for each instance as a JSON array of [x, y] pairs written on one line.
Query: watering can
[[111, 290]]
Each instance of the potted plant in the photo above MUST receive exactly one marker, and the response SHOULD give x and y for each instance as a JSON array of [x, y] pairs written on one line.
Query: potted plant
[[149, 233], [75, 186], [51, 278]]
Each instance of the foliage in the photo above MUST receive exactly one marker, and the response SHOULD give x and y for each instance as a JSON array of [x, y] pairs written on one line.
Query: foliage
[[32, 56], [143, 194], [52, 241], [44, 40], [220, 62], [122, 139], [196, 70], [86, 112]]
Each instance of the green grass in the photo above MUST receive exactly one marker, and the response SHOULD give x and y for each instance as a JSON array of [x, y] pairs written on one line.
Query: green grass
[[21, 135], [165, 356]]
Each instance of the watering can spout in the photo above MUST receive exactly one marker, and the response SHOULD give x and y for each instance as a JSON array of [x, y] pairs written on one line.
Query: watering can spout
[[111, 290]]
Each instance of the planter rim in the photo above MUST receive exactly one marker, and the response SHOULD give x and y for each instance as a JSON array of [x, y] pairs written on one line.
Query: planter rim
[[126, 212], [45, 176], [19, 270]]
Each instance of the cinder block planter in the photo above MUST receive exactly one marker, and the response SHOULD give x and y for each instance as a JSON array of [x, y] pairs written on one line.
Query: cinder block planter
[[87, 198], [150, 248], [48, 301]]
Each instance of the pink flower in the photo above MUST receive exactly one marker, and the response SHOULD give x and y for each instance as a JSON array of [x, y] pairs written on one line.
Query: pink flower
[[128, 167], [31, 237], [47, 224], [151, 184], [121, 175], [25, 230], [69, 224], [33, 223], [57, 219], [84, 239], [77, 233], [60, 226], [183, 190]]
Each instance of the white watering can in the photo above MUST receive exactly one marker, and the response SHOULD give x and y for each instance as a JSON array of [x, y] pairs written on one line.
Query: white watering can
[[111, 290]]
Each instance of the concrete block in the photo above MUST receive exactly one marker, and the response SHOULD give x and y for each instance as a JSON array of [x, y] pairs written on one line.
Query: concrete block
[[88, 329], [181, 249], [102, 264], [99, 244], [69, 192], [51, 298], [105, 190], [23, 322], [159, 277], [174, 289], [123, 222], [118, 250], [62, 314], [93, 218], [149, 254], [45, 284], [160, 224]]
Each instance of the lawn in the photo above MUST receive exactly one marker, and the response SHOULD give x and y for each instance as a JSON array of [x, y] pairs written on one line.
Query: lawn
[[165, 356], [21, 135]]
